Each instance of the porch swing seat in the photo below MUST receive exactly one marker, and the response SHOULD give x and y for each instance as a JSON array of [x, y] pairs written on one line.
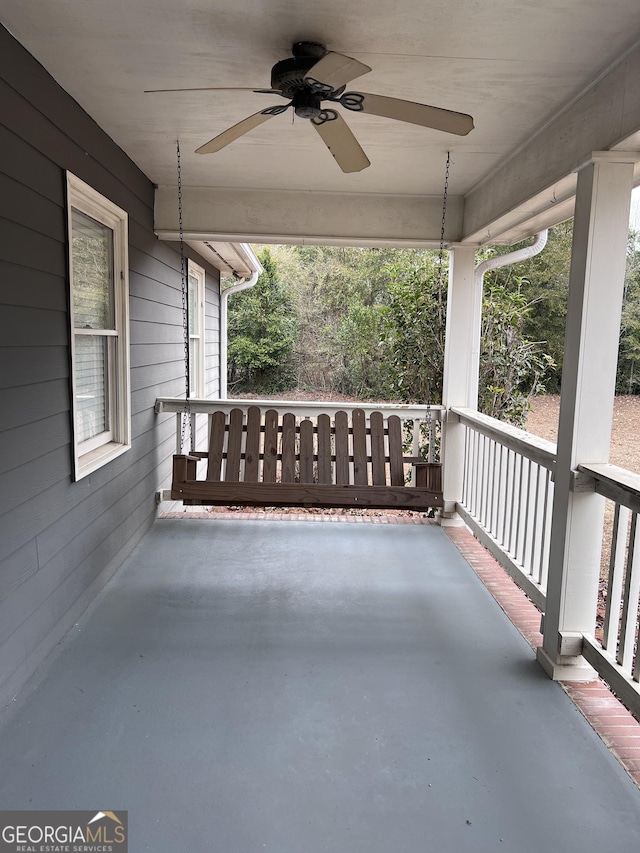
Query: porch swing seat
[[352, 460]]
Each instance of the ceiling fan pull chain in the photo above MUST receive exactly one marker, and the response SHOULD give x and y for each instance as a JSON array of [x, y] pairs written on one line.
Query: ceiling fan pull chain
[[186, 415]]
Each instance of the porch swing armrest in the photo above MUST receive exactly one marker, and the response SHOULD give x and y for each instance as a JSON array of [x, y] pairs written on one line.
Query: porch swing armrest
[[184, 468], [429, 475]]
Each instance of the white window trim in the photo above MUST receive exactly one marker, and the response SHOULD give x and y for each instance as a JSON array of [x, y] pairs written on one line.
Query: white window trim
[[94, 453], [197, 376]]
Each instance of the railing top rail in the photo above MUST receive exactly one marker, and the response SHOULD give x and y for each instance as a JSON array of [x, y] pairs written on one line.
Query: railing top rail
[[530, 446], [301, 408], [615, 483]]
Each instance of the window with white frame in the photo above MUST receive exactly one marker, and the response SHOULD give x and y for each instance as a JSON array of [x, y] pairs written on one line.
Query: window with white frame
[[99, 302], [196, 279]]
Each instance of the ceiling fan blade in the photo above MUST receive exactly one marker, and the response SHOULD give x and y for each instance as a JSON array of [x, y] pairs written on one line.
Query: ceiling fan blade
[[426, 116], [232, 133], [335, 70], [339, 139], [217, 89]]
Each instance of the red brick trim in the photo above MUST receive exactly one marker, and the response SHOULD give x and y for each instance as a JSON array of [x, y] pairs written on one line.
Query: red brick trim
[[373, 517]]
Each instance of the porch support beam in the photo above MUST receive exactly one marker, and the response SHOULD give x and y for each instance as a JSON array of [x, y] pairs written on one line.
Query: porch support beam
[[274, 216], [460, 380], [596, 285]]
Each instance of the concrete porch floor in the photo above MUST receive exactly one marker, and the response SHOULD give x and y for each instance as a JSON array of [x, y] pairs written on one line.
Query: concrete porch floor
[[254, 685]]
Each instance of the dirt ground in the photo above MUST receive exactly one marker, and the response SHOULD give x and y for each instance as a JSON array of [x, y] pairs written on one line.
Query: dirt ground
[[625, 436]]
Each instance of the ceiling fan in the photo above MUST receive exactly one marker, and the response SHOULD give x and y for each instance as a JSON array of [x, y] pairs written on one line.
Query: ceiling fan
[[315, 75]]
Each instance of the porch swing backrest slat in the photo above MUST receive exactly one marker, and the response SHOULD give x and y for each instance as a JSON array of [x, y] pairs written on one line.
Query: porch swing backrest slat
[[252, 449], [324, 449], [342, 449], [216, 447]]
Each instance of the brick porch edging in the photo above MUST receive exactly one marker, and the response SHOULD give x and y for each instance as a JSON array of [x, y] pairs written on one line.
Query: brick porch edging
[[274, 515], [619, 730]]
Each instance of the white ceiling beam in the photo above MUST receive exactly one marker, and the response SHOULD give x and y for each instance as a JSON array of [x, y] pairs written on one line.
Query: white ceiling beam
[[272, 216]]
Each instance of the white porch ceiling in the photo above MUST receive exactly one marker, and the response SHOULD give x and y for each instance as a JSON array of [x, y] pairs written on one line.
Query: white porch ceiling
[[511, 64]]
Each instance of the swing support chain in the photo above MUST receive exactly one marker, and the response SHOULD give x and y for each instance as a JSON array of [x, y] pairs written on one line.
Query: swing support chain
[[186, 439]]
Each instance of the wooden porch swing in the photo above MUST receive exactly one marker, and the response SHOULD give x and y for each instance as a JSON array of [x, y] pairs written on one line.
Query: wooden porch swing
[[271, 459]]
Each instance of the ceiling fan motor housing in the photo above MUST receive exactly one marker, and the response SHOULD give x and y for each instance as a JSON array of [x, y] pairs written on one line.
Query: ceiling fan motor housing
[[306, 104], [287, 76]]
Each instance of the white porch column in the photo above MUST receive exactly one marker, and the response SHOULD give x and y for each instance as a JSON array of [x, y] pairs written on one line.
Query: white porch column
[[596, 284], [460, 380]]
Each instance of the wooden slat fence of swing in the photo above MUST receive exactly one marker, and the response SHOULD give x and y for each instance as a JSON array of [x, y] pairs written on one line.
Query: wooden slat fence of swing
[[268, 460]]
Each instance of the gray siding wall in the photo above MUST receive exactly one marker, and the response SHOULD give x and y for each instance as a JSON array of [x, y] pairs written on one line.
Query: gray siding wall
[[212, 338], [60, 541]]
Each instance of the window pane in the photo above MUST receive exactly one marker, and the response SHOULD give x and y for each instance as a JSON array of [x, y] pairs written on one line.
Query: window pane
[[194, 308], [92, 260], [91, 373]]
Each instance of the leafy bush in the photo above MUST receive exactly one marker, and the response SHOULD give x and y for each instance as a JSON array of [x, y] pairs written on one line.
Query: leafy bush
[[512, 368], [262, 329]]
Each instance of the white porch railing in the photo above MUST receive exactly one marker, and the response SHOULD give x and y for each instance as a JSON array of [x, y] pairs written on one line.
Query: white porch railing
[[507, 497], [612, 648]]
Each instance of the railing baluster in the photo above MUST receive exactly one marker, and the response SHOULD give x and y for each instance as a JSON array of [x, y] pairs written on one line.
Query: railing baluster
[[501, 489], [496, 514], [615, 577], [478, 474], [525, 539], [507, 504], [629, 620], [487, 468], [487, 495], [514, 501], [511, 461], [192, 432], [546, 531], [482, 476], [474, 471], [465, 468], [477, 471], [535, 536], [431, 428], [521, 508], [415, 448], [492, 509]]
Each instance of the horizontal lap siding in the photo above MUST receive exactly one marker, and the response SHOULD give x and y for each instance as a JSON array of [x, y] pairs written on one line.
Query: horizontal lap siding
[[60, 541], [211, 336]]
